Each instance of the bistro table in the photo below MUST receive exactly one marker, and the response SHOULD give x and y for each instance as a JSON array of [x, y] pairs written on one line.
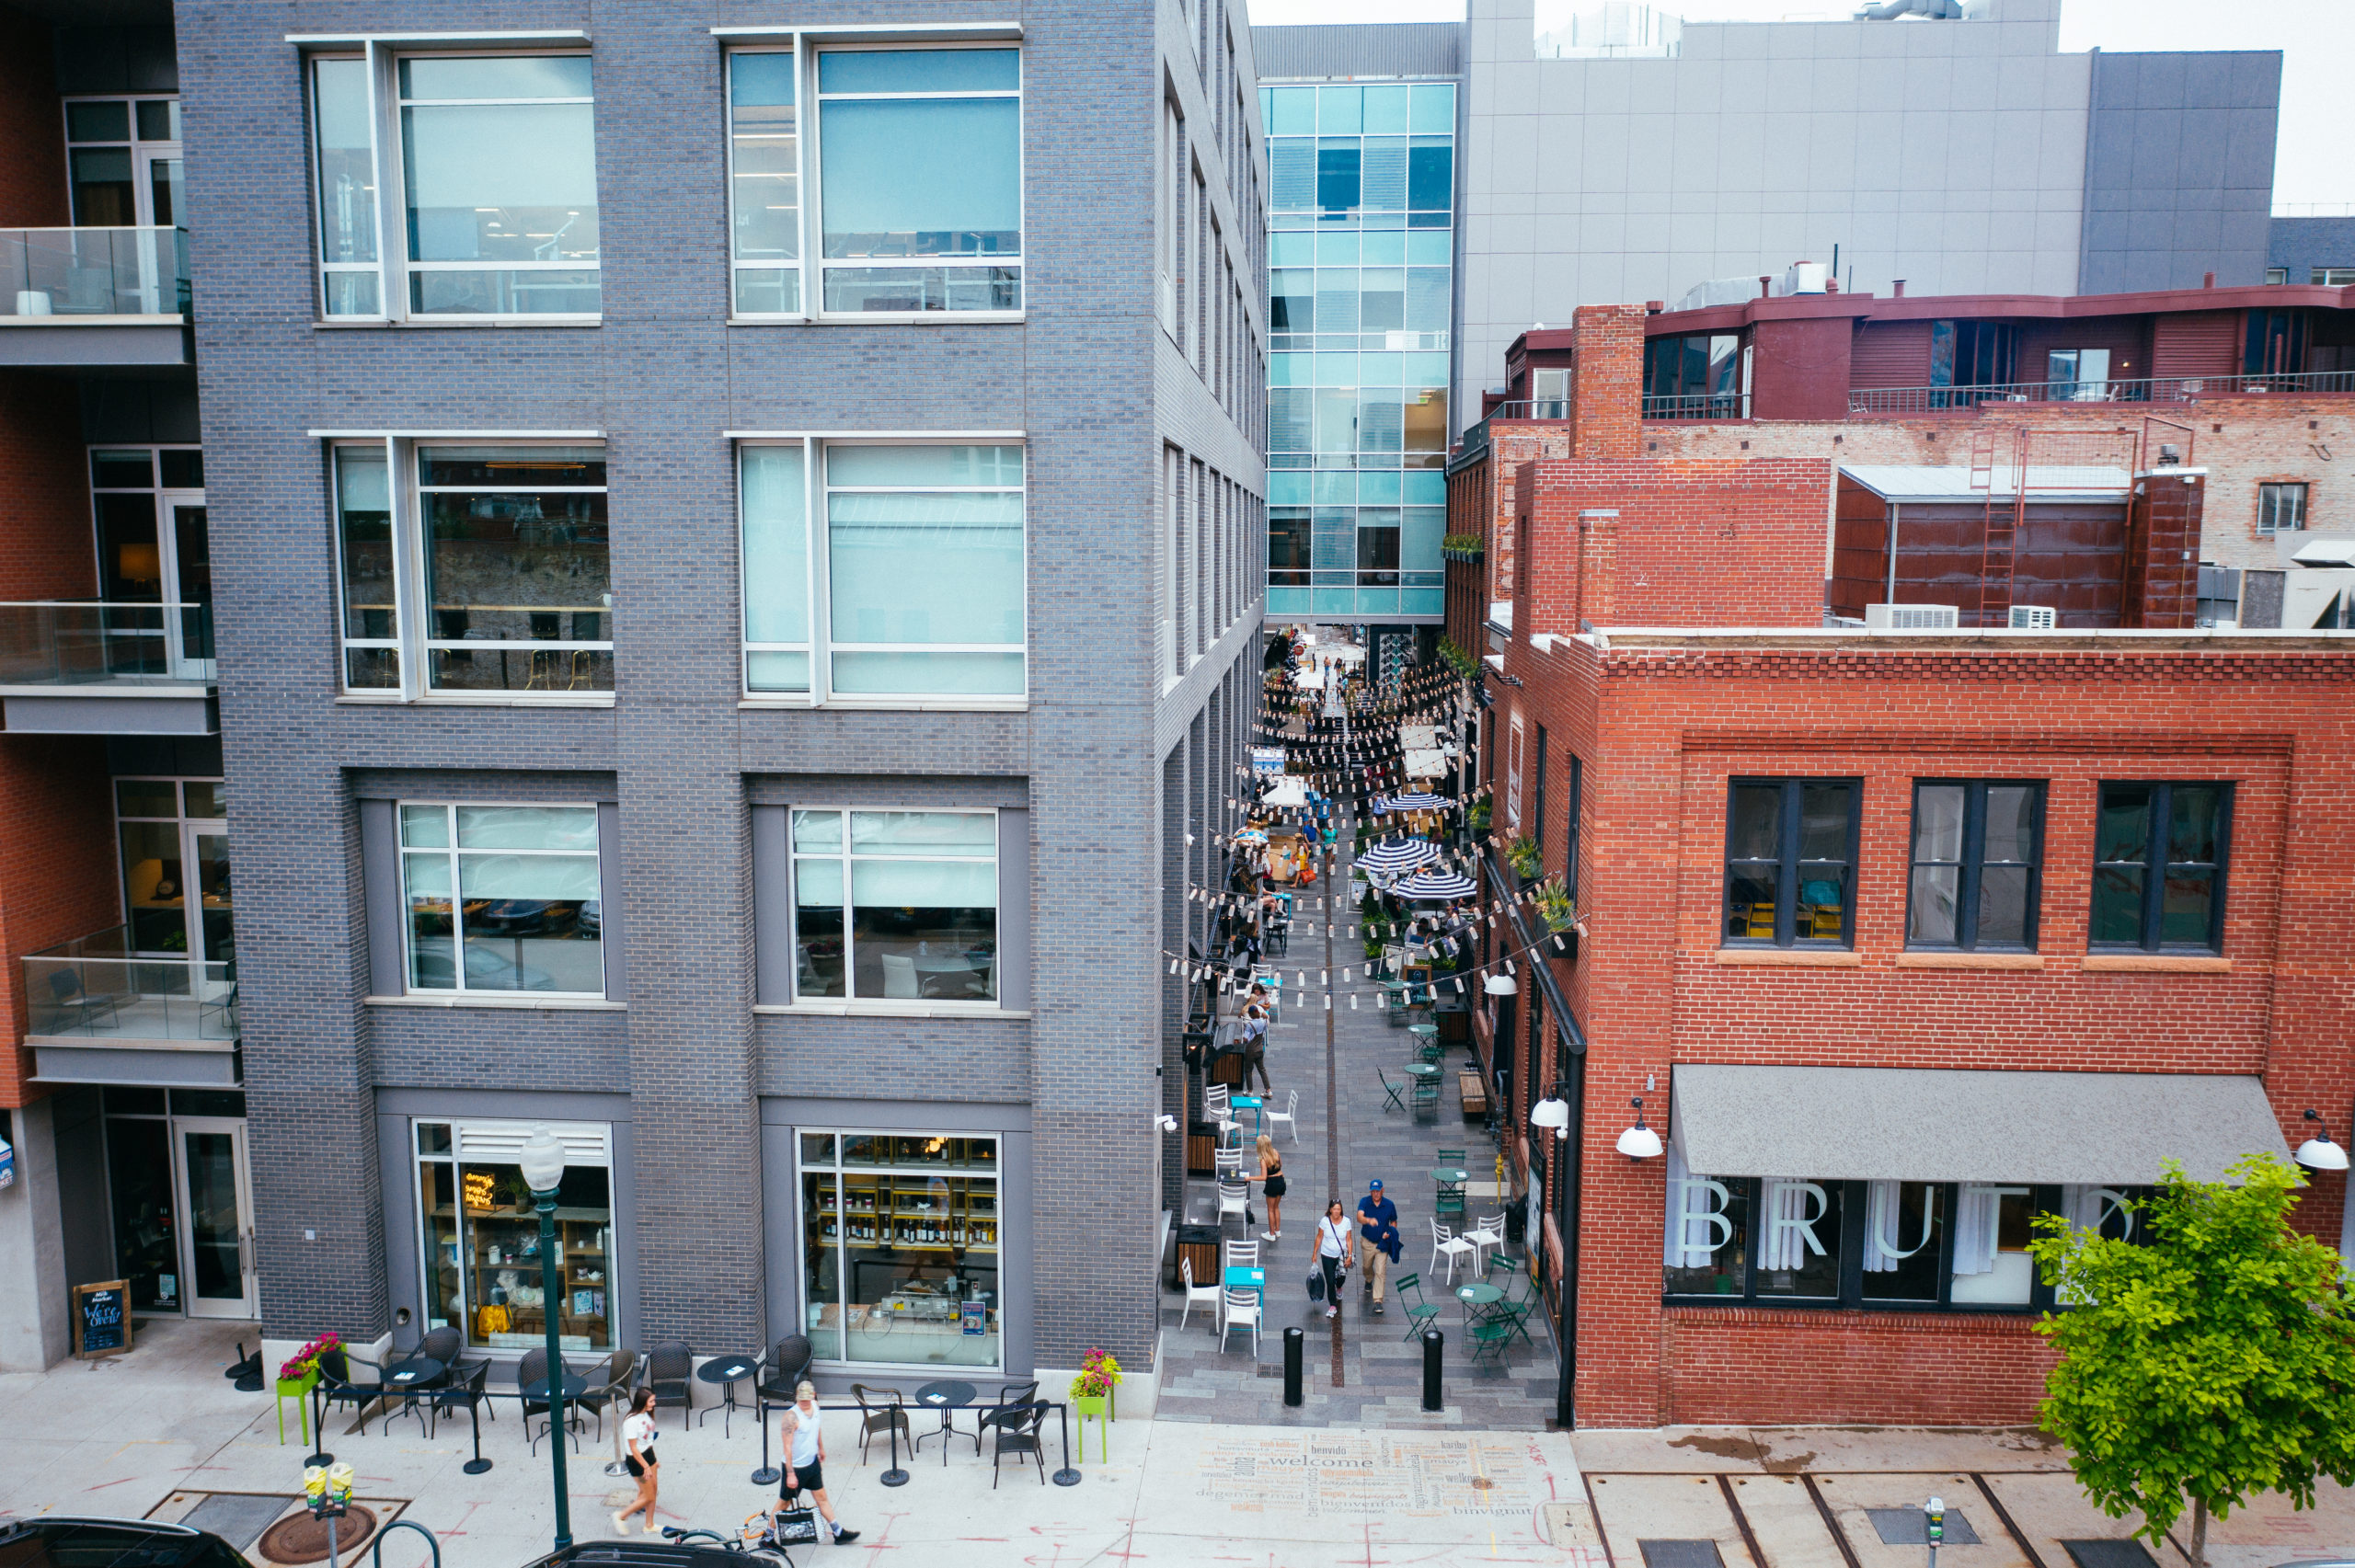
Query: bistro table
[[574, 1385], [412, 1378], [728, 1371], [1475, 1298], [1238, 1277], [944, 1396], [1251, 1102], [1422, 1070]]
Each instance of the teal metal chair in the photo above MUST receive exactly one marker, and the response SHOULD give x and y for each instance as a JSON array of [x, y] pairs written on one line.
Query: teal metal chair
[[1391, 1090], [1420, 1312]]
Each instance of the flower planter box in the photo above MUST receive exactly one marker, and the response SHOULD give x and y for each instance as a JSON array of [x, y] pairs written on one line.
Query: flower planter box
[[299, 1391]]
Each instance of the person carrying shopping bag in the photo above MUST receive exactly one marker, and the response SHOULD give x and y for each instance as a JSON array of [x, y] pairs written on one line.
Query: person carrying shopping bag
[[1333, 1255]]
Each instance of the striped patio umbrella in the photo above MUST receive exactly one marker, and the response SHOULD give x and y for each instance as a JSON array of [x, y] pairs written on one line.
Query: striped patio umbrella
[[1393, 856], [1435, 885], [1418, 802]]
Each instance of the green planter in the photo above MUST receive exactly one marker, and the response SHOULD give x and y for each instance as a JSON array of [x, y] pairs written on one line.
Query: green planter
[[1100, 1406], [299, 1391]]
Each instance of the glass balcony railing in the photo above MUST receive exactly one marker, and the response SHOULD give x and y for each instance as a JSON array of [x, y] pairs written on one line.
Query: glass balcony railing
[[64, 642], [70, 273], [95, 989]]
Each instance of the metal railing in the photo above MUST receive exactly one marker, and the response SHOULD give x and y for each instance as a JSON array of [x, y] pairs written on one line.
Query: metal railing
[[1697, 405], [2148, 389], [95, 987], [1532, 408], [83, 643], [67, 273]]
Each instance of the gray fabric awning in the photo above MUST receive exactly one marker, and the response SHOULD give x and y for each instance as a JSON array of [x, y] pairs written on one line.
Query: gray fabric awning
[[1924, 1125]]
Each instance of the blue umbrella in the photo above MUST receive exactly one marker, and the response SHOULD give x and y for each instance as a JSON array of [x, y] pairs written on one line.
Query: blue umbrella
[[1393, 856], [1435, 885]]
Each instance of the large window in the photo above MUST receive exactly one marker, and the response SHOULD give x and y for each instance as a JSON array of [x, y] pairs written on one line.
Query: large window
[[917, 589], [502, 898], [478, 1233], [515, 595], [2159, 854], [1915, 1245], [2281, 507], [177, 892], [897, 906], [1791, 861], [494, 157], [1697, 377], [1977, 857], [901, 1240], [920, 179], [123, 159], [764, 180], [153, 547]]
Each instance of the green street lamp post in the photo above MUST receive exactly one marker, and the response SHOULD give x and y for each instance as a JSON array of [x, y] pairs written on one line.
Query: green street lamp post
[[543, 1160]]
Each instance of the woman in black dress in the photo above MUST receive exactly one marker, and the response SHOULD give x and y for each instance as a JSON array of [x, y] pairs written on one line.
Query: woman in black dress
[[1271, 1176]]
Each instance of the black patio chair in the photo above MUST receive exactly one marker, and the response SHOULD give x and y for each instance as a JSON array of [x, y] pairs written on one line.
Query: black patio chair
[[1011, 1398], [532, 1369], [337, 1384], [670, 1367], [464, 1389], [620, 1369], [1020, 1437], [780, 1371], [875, 1414]]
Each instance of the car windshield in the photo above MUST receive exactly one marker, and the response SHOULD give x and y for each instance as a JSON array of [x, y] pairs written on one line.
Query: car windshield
[[72, 1543]]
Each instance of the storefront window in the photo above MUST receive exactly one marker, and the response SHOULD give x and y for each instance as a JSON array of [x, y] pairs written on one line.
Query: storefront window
[[1903, 1229], [901, 1248], [1990, 1235], [479, 1235], [1708, 1250], [146, 1239], [906, 909]]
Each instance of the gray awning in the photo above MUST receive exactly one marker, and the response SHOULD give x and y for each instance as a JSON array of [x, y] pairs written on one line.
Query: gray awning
[[1903, 1124]]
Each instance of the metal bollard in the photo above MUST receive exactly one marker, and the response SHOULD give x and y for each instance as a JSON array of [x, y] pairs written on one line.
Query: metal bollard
[[1292, 1350], [1432, 1342]]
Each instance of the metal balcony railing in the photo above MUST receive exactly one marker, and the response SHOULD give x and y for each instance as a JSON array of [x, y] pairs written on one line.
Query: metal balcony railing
[[73, 643], [67, 274], [2148, 389], [94, 990]]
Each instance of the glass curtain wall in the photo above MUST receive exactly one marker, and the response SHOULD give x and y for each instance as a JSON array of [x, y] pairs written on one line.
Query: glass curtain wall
[[1360, 285]]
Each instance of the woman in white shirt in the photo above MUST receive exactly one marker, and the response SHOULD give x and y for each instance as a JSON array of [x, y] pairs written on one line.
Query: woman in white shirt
[[637, 1435], [1333, 1255]]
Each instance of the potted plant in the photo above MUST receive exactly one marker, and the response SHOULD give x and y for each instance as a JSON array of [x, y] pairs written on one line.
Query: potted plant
[[1555, 905], [1523, 855], [1480, 815], [1091, 1390], [301, 1369]]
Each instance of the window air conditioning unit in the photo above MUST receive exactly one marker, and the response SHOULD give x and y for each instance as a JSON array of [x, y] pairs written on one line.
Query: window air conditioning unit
[[1910, 617], [2031, 618]]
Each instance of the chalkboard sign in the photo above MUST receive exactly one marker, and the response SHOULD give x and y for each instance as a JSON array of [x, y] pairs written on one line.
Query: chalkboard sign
[[102, 1318]]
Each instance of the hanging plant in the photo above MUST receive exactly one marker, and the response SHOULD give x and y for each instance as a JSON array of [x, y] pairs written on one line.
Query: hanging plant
[[1523, 855], [1554, 903]]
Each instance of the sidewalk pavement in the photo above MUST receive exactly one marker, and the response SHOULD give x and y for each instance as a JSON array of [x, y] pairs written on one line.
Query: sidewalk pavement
[[160, 1432]]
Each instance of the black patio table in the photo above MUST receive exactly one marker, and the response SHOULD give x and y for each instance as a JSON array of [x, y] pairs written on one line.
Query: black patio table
[[726, 1371], [948, 1394]]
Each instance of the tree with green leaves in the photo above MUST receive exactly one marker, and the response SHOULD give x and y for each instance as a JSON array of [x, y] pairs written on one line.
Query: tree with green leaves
[[2213, 1360]]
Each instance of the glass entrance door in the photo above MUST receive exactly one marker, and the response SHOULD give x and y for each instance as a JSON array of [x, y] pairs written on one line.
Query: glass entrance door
[[217, 1241]]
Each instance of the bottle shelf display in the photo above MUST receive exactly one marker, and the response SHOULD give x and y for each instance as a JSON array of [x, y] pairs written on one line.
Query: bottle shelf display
[[910, 1212]]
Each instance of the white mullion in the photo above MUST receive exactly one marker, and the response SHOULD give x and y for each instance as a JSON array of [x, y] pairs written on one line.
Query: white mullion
[[412, 599], [819, 575], [383, 143], [813, 227]]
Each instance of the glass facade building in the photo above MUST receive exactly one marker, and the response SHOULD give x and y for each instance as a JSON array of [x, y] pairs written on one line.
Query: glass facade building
[[1362, 283]]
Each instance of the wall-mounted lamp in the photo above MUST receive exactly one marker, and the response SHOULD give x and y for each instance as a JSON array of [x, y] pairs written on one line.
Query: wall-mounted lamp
[[1166, 1124], [1501, 985], [1639, 1142], [2318, 1152], [1552, 1111]]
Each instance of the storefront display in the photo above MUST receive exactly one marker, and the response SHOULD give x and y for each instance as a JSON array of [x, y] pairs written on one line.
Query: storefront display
[[480, 1235], [901, 1237]]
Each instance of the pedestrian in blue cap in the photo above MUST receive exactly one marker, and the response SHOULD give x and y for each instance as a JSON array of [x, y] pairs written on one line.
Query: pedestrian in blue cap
[[1378, 1244]]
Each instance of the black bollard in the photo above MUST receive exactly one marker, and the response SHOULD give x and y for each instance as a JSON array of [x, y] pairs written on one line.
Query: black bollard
[[1432, 1341], [1292, 1346]]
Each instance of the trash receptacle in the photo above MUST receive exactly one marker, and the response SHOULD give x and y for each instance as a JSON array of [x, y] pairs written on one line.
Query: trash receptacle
[[1202, 1148], [1517, 1221], [1199, 1244]]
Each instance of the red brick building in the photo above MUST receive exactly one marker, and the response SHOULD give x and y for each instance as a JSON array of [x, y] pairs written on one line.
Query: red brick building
[[1902, 937]]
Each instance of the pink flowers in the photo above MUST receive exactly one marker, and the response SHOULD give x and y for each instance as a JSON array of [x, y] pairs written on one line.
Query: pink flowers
[[301, 1363], [1097, 1374]]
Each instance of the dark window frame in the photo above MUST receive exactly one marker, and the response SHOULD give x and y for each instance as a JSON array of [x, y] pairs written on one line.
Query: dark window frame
[[1537, 793], [1570, 840], [2158, 830], [2274, 496], [1787, 863], [1973, 861], [2043, 1199]]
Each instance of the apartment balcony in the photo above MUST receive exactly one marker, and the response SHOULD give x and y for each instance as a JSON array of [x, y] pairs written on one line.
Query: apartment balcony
[[2149, 389], [73, 668], [97, 1012], [94, 298]]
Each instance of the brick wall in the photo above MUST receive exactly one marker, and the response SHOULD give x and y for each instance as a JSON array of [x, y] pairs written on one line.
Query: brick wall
[[32, 176], [46, 549], [2163, 554], [1662, 723], [57, 870], [1608, 380]]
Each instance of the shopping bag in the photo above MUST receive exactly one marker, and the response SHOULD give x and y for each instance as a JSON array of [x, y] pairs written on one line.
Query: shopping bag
[[1316, 1285], [797, 1527]]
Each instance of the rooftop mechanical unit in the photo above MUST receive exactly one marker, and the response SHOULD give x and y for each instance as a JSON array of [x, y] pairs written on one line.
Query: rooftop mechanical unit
[[1912, 617], [2031, 618]]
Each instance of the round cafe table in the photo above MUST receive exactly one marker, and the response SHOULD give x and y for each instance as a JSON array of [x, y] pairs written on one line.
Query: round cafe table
[[536, 1391], [948, 1394], [1442, 1173], [413, 1377], [726, 1371], [1476, 1297], [1422, 1070]]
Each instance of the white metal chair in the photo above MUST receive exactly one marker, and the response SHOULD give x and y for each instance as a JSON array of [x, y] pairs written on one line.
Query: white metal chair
[[1208, 1295], [1233, 1198], [1219, 1109], [899, 975], [1288, 1116], [1227, 1164], [1241, 1254], [1242, 1307], [1488, 1232], [1451, 1246]]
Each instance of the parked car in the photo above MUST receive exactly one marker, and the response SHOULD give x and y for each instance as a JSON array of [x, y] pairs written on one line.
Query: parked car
[[638, 1553], [67, 1541]]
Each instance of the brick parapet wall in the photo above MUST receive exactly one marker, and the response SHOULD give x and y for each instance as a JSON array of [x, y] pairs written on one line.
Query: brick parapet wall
[[32, 129], [1661, 730]]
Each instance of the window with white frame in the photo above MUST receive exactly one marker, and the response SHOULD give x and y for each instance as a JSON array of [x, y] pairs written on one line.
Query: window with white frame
[[895, 905], [764, 180], [474, 569], [502, 898], [919, 166], [916, 589], [494, 160]]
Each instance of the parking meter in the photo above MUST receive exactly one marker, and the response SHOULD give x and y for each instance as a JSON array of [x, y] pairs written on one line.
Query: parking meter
[[1935, 1517]]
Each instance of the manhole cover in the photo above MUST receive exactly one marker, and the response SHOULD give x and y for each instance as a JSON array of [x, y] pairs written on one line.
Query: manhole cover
[[305, 1540]]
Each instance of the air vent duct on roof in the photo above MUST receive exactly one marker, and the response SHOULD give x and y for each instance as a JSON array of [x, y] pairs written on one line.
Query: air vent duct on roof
[[2031, 618], [1912, 617]]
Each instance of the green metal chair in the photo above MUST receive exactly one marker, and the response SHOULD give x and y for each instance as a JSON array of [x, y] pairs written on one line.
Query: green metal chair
[[1449, 1156], [1420, 1312], [1521, 1295], [1426, 1099], [1391, 1090], [1490, 1336], [1450, 1200]]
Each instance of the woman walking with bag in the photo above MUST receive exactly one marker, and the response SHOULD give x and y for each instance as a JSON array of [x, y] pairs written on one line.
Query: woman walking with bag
[[1333, 1255], [637, 1431]]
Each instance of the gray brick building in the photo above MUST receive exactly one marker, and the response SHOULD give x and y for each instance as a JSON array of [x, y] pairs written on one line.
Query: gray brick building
[[751, 695]]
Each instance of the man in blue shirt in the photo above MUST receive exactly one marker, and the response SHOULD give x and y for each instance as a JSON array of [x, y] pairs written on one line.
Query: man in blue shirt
[[1377, 1239]]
